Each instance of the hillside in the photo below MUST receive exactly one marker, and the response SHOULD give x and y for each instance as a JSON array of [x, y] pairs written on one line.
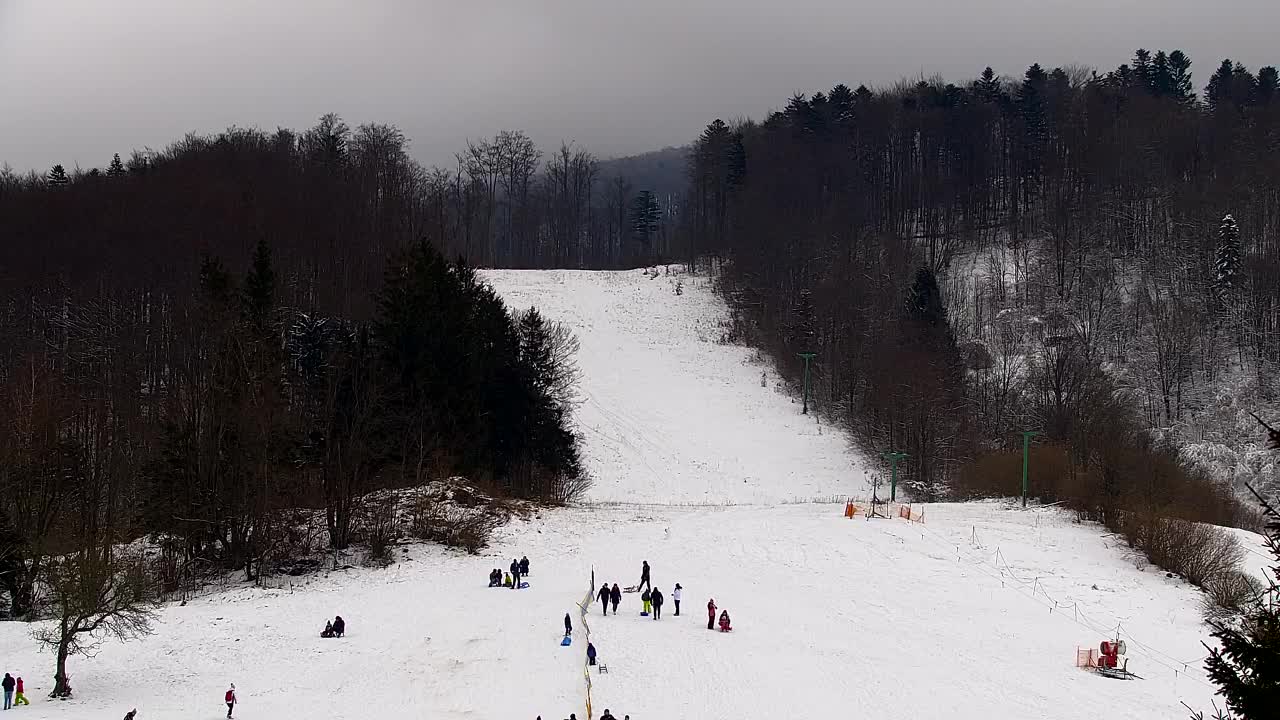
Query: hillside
[[975, 613]]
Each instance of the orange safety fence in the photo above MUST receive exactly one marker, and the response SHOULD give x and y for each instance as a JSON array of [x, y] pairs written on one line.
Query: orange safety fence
[[906, 512], [1086, 658]]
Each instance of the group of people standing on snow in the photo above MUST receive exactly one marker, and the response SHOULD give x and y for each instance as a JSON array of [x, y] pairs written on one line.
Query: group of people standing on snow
[[519, 569], [13, 692]]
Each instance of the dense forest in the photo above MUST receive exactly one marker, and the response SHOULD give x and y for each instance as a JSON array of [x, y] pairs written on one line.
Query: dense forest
[[205, 345], [1088, 256]]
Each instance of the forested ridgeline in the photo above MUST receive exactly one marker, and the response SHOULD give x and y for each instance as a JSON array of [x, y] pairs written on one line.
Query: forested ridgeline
[[201, 344], [1085, 255]]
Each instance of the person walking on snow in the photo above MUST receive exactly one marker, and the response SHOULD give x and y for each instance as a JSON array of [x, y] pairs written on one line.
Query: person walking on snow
[[615, 596], [230, 699], [568, 625], [656, 599], [711, 614], [645, 599], [18, 697], [644, 575], [603, 597], [591, 654], [675, 596], [8, 684]]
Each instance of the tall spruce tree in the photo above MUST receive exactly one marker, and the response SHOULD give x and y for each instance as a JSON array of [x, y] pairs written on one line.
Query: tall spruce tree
[[58, 177], [1246, 668], [1227, 263], [645, 216], [116, 168]]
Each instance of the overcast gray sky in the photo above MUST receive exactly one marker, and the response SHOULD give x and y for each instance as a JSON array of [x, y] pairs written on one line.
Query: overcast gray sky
[[81, 79]]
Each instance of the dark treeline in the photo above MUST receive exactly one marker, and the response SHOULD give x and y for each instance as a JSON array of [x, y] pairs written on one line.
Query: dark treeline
[[198, 344], [1048, 253]]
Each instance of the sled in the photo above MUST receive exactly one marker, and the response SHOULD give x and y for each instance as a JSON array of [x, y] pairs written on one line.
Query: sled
[[566, 641], [523, 585], [631, 589]]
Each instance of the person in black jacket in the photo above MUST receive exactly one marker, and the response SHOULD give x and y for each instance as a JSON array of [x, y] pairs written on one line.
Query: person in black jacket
[[524, 565], [591, 654], [339, 626], [615, 596], [644, 575], [568, 625], [603, 597], [656, 599], [8, 684], [515, 574]]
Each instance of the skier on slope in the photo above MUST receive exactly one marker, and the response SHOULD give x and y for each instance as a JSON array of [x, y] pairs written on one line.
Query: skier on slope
[[568, 625], [615, 596], [644, 575], [656, 600], [603, 597], [645, 599], [675, 596], [711, 614]]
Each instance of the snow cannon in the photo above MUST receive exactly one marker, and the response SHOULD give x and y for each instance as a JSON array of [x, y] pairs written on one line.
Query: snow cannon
[[1109, 663]]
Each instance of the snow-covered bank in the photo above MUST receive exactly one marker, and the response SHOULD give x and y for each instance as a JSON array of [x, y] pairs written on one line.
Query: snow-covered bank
[[669, 414]]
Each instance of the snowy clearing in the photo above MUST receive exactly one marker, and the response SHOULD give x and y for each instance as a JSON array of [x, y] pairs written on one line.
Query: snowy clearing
[[974, 614]]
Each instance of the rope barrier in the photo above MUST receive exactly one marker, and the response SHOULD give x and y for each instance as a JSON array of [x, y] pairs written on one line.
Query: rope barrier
[[1021, 586]]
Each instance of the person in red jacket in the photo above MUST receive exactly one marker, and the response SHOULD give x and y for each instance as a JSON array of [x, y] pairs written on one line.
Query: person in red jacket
[[231, 699], [711, 614], [18, 697]]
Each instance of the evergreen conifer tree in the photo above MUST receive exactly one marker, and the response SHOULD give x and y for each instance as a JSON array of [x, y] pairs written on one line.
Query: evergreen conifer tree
[[924, 302], [1227, 263], [645, 216], [116, 168], [58, 177], [1246, 668]]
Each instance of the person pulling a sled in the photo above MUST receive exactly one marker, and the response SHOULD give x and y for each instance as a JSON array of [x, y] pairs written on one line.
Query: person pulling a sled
[[615, 596], [644, 575], [724, 621]]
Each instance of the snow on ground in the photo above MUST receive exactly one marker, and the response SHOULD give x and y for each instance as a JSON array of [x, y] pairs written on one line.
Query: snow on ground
[[669, 414], [974, 614]]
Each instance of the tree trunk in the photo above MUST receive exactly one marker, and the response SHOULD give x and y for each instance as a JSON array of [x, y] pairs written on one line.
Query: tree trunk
[[62, 684]]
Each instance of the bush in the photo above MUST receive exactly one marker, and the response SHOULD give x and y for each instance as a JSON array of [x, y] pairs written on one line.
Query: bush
[[1196, 551], [1228, 594], [446, 523]]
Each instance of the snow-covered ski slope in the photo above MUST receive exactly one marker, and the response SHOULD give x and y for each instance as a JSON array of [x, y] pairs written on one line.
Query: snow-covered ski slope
[[669, 414], [975, 614]]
